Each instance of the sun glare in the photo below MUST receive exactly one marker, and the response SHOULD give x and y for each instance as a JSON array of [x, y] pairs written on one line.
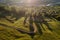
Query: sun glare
[[29, 1]]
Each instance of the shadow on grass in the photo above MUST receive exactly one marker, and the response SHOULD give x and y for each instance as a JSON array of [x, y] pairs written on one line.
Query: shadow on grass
[[13, 13], [38, 20]]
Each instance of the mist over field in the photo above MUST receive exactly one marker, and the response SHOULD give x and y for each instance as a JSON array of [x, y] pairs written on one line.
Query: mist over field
[[29, 19]]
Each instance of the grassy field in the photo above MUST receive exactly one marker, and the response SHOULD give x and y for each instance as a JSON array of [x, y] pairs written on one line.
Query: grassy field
[[12, 19]]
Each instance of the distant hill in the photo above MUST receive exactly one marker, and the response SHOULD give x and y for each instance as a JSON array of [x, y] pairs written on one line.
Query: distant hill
[[54, 4]]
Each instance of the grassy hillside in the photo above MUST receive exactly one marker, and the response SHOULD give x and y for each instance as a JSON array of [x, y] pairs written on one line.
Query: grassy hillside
[[15, 19]]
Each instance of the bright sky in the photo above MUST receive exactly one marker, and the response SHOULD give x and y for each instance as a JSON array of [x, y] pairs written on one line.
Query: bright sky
[[22, 1], [30, 2]]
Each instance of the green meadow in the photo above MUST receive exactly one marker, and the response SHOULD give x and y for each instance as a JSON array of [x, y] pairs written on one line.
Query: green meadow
[[29, 23]]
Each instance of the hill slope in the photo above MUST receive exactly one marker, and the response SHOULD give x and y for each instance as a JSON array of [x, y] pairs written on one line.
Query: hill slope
[[29, 26]]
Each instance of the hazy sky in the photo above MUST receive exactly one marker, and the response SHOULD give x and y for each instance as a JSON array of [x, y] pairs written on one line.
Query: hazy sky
[[30, 2], [27, 1]]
